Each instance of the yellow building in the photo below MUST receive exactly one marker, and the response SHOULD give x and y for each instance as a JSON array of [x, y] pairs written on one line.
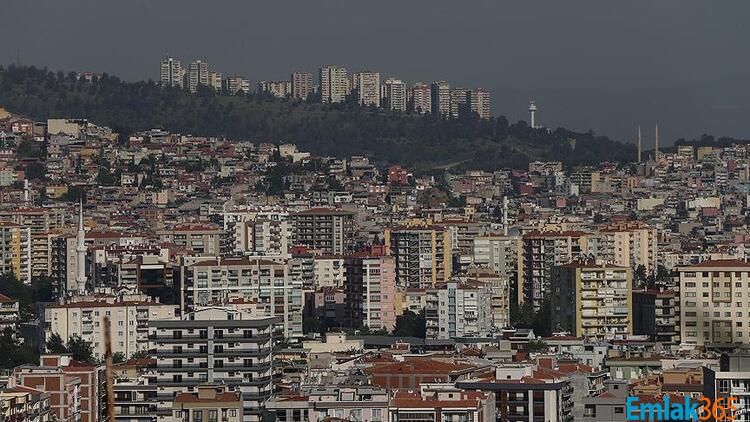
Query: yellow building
[[15, 250], [602, 299]]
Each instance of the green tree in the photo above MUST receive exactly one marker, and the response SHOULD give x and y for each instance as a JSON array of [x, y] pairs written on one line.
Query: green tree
[[118, 357], [410, 324], [80, 349], [55, 344], [14, 351]]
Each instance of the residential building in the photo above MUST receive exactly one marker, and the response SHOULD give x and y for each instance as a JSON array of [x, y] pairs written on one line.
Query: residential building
[[459, 102], [656, 313], [129, 316], [479, 103], [394, 93], [714, 297], [25, 404], [199, 239], [421, 98], [441, 98], [15, 250], [368, 88], [76, 389], [323, 402], [334, 84], [502, 255], [278, 89], [442, 403], [212, 346], [9, 316], [423, 253], [198, 74], [327, 230], [329, 271], [171, 72], [464, 309], [236, 84], [630, 245], [542, 250], [269, 285], [214, 80], [302, 85], [592, 300], [210, 403], [370, 289]]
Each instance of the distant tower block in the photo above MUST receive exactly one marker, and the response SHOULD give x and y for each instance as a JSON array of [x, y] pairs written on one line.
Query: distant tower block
[[640, 146], [533, 109]]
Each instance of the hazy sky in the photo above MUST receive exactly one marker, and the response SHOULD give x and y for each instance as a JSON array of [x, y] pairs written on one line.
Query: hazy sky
[[590, 64]]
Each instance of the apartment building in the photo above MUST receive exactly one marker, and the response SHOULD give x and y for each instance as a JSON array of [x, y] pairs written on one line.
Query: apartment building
[[324, 230], [421, 98], [45, 224], [8, 313], [236, 84], [278, 89], [479, 103], [630, 245], [523, 393], [76, 389], [542, 250], [171, 72], [129, 316], [210, 403], [657, 315], [198, 74], [442, 403], [367, 84], [592, 300], [394, 93], [459, 102], [15, 250], [334, 84], [269, 284], [501, 254], [24, 404], [370, 289], [441, 98], [329, 271], [458, 309], [714, 302], [213, 345], [256, 232], [198, 238], [424, 254], [302, 85], [321, 402]]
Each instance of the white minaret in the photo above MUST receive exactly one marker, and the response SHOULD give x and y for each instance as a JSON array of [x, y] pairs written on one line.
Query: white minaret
[[656, 143], [532, 110], [81, 252], [640, 148]]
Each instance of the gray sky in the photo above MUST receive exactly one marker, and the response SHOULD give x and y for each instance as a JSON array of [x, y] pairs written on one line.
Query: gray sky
[[590, 64]]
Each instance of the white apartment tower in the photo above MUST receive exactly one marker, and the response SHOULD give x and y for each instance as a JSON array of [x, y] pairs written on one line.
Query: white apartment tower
[[81, 252], [198, 75], [333, 84], [394, 92], [368, 88], [171, 73]]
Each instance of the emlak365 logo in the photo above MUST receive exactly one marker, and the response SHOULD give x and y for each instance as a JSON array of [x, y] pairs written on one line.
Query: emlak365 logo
[[686, 409]]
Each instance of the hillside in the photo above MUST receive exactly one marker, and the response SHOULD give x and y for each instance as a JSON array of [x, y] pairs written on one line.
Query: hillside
[[422, 142]]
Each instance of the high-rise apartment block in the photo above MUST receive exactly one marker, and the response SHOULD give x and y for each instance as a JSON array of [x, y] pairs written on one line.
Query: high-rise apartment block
[[592, 300], [334, 84], [459, 309], [370, 289], [479, 103], [394, 93], [172, 73], [424, 255], [198, 74], [459, 102], [368, 88], [421, 98], [213, 346], [329, 231], [236, 84], [715, 303], [441, 98], [302, 85], [279, 89], [15, 250]]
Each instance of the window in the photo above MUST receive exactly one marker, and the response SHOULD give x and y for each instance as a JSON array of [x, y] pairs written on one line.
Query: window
[[619, 410], [197, 415], [213, 415]]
